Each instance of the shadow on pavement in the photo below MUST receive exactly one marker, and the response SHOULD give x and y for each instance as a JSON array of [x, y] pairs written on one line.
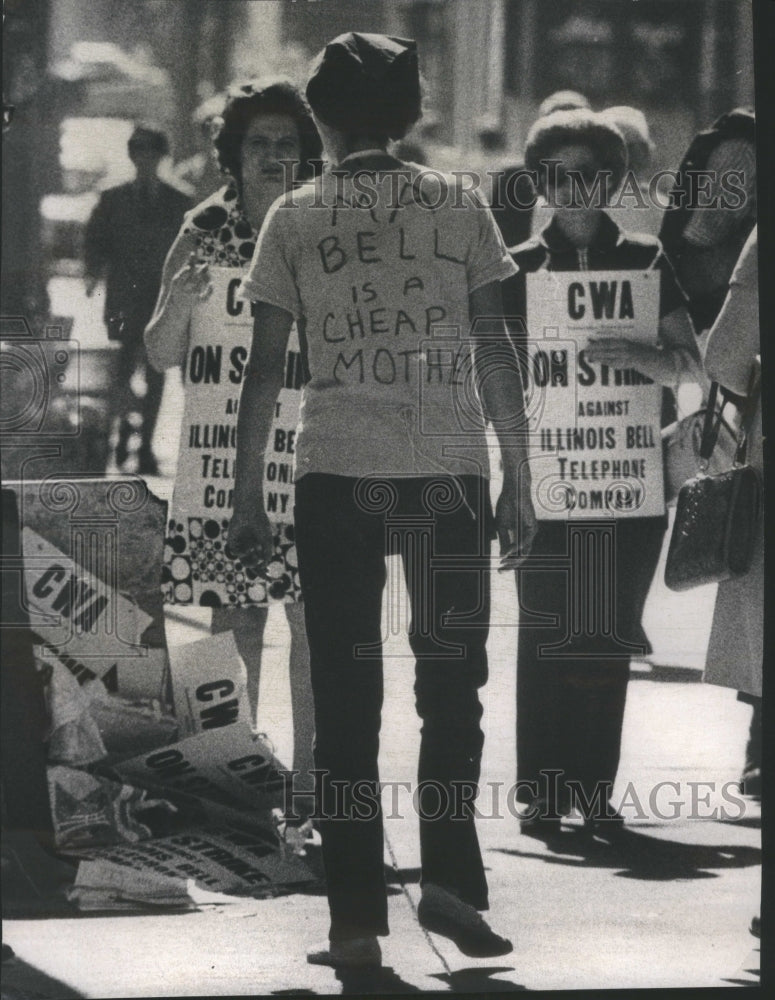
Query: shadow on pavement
[[402, 876], [477, 980], [642, 857], [356, 982], [22, 981]]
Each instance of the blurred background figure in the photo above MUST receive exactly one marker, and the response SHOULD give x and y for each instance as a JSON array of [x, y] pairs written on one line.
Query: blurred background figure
[[704, 231], [562, 100], [634, 211], [199, 174], [125, 243]]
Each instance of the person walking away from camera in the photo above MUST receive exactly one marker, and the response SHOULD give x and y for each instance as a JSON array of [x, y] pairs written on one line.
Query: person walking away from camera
[[372, 284], [570, 707], [125, 243], [266, 139], [735, 650]]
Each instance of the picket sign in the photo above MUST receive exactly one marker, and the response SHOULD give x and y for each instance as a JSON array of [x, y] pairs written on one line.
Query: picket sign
[[197, 570], [595, 446]]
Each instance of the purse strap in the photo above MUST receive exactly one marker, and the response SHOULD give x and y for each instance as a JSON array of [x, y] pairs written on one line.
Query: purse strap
[[713, 417], [748, 412], [711, 426]]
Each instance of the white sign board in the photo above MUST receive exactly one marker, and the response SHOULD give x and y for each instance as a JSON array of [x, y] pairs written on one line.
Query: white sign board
[[595, 446], [209, 684], [82, 620], [196, 569], [230, 765]]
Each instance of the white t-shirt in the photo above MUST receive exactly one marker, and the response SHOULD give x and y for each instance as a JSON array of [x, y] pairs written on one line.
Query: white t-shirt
[[381, 296]]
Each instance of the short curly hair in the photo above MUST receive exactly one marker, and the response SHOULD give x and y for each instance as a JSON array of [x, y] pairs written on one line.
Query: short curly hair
[[578, 127], [244, 101]]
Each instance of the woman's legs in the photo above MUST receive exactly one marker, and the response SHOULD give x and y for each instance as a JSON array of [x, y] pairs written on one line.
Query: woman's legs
[[302, 707], [248, 625]]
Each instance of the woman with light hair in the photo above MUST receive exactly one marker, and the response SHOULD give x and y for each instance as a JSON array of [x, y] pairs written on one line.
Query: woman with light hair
[[633, 209]]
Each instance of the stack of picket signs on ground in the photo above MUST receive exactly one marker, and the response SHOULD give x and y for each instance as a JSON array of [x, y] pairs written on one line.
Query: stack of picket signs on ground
[[157, 781]]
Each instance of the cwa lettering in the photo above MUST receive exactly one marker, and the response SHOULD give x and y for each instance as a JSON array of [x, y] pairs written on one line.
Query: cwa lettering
[[609, 299]]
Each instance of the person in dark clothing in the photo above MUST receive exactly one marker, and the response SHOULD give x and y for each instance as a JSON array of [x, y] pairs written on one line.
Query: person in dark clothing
[[126, 241], [572, 668], [374, 446]]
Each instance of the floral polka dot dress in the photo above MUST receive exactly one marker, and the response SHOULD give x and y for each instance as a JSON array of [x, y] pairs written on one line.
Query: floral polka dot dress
[[197, 569]]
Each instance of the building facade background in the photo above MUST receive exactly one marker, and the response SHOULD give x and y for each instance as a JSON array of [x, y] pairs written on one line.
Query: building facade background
[[78, 72]]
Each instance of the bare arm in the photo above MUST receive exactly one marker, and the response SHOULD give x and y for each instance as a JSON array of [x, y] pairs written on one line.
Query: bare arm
[[500, 390], [250, 535], [184, 281]]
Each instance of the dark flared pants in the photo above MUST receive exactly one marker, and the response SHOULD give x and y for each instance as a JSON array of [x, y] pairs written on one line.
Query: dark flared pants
[[345, 528], [582, 594]]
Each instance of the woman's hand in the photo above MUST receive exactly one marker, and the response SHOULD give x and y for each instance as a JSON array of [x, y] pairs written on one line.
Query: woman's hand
[[251, 540], [516, 523], [616, 352], [192, 281]]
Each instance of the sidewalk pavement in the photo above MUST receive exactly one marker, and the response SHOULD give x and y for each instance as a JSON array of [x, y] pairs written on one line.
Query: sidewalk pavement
[[669, 905]]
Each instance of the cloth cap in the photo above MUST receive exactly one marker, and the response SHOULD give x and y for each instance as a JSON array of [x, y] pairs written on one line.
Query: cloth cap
[[368, 84]]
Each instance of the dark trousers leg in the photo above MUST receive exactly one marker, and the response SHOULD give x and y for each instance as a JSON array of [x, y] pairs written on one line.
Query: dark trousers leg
[[446, 689], [590, 711], [123, 399], [540, 736], [341, 551], [151, 404], [570, 710]]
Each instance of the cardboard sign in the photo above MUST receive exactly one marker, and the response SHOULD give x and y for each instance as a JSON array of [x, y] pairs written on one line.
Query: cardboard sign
[[196, 570], [595, 445], [209, 685], [230, 765], [82, 620], [218, 858]]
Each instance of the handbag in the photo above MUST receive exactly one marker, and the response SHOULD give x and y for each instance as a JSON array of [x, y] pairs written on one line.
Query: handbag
[[681, 442], [716, 518]]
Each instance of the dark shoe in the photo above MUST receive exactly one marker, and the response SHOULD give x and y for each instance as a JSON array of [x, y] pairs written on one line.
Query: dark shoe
[[357, 953], [441, 912], [756, 926], [542, 820], [751, 783], [607, 827], [148, 466], [540, 827]]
